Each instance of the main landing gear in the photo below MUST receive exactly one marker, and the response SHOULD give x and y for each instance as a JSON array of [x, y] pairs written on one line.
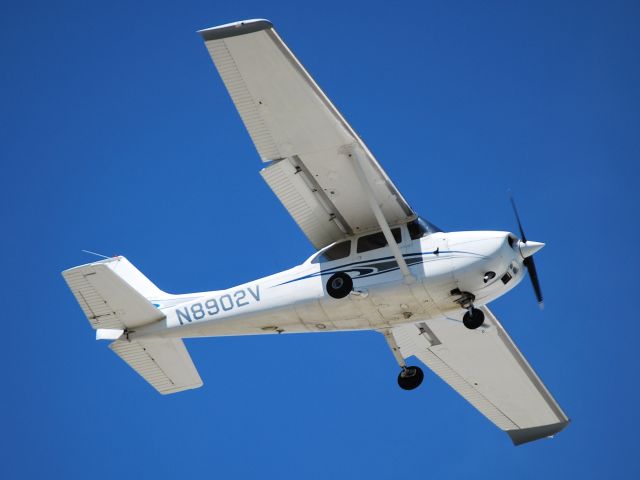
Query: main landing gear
[[339, 285], [474, 317], [409, 377]]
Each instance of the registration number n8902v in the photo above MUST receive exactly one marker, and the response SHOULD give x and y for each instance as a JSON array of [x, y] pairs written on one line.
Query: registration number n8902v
[[219, 304]]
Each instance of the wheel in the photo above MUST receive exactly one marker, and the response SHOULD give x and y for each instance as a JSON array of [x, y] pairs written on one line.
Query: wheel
[[474, 319], [339, 285], [410, 378]]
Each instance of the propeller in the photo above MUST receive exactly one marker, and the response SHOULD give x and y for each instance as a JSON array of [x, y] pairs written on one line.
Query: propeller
[[527, 249]]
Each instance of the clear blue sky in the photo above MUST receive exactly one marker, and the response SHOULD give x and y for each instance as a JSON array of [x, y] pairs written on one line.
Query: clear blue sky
[[116, 135]]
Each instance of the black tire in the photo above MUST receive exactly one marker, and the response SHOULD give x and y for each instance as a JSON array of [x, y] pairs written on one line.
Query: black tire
[[339, 285], [410, 378], [473, 320]]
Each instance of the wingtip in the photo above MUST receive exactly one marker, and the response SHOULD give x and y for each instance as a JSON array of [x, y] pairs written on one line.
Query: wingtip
[[234, 29], [526, 435]]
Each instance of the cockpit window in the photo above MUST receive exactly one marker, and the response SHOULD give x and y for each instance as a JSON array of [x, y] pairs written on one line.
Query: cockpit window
[[421, 228], [338, 251], [377, 240]]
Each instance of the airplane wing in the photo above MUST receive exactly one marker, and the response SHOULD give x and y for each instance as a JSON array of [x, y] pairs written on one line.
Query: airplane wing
[[296, 128], [488, 370]]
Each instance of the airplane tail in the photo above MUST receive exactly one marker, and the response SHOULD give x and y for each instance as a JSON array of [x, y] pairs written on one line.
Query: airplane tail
[[116, 298]]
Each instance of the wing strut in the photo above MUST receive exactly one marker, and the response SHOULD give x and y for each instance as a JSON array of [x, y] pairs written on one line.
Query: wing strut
[[355, 153]]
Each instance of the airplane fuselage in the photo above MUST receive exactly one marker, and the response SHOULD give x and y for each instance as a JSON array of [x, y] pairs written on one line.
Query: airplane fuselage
[[445, 267]]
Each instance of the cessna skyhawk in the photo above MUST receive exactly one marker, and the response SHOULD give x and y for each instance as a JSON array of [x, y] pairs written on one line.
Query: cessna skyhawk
[[379, 266]]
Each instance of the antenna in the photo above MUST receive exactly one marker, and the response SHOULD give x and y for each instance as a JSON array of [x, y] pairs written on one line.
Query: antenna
[[96, 254]]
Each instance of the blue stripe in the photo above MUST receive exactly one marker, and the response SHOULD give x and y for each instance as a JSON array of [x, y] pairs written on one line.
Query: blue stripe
[[368, 263]]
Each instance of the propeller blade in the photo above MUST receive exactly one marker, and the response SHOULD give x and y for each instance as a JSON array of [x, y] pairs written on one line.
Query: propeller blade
[[515, 210], [533, 275], [528, 250]]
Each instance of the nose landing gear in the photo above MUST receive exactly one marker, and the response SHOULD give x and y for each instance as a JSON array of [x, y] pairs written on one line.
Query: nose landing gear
[[474, 317]]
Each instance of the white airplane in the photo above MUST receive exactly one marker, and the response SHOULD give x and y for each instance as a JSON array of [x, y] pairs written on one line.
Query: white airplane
[[378, 267]]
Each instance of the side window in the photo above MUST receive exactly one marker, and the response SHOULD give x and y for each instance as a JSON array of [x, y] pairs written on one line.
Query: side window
[[377, 240], [338, 251]]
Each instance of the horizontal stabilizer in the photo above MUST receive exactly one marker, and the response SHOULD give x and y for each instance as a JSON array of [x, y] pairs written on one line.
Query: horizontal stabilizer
[[164, 363], [114, 294]]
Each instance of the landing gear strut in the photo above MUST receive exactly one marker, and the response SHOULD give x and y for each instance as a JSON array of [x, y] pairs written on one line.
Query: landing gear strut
[[409, 377]]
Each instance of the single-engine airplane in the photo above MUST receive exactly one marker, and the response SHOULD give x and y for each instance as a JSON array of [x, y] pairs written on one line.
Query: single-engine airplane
[[379, 266]]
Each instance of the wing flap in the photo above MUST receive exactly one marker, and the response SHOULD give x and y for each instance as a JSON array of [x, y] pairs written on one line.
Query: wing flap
[[488, 370], [164, 363], [309, 207]]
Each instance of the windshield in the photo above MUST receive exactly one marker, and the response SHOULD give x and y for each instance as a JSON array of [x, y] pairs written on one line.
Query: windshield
[[421, 228]]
